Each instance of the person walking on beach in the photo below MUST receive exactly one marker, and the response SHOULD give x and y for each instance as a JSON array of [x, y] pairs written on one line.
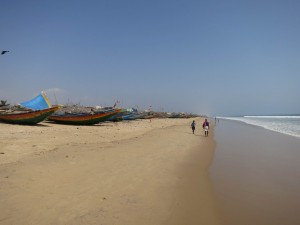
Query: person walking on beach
[[205, 127], [193, 125]]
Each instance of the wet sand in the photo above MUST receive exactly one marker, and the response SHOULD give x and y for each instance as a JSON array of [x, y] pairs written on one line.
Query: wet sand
[[110, 174], [256, 175]]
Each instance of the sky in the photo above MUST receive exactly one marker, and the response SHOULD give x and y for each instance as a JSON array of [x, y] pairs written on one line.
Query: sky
[[218, 57]]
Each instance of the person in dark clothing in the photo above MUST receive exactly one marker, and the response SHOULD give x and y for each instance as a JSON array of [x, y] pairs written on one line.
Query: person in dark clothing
[[206, 127], [193, 125]]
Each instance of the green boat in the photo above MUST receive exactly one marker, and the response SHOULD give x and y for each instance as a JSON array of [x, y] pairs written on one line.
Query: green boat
[[83, 119], [27, 118]]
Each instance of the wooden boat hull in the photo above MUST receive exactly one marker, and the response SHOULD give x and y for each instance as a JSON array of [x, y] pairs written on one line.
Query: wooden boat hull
[[83, 119], [28, 118]]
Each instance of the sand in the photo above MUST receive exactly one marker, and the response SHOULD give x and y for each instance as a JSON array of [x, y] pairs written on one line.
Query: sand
[[143, 172], [137, 172]]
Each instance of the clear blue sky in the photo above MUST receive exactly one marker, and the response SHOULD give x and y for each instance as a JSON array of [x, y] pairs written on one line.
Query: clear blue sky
[[213, 57]]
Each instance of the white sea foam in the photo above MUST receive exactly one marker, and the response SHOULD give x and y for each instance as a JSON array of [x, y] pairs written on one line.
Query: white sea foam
[[279, 117], [289, 125]]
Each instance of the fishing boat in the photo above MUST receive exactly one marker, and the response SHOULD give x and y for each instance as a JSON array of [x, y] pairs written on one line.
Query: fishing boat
[[126, 114], [30, 112], [27, 117], [84, 119]]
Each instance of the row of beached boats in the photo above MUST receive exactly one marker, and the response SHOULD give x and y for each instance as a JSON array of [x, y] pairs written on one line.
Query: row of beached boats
[[40, 109]]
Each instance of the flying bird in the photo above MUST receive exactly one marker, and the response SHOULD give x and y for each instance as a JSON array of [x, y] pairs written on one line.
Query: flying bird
[[3, 52]]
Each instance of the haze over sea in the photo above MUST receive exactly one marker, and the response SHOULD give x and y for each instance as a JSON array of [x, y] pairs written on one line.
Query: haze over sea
[[285, 124]]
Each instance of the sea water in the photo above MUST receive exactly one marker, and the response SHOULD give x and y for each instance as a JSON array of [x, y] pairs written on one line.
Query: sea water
[[286, 124]]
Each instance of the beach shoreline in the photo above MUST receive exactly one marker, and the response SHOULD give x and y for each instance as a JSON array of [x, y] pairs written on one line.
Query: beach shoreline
[[255, 175], [195, 201], [140, 172]]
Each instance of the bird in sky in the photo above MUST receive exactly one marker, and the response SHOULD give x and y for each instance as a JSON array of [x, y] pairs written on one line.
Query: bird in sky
[[3, 52]]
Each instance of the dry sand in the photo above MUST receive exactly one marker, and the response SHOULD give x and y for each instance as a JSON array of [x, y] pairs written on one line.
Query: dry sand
[[111, 174]]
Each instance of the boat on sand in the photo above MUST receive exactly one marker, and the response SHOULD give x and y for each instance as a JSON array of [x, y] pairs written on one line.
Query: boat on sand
[[29, 113], [84, 119], [27, 117]]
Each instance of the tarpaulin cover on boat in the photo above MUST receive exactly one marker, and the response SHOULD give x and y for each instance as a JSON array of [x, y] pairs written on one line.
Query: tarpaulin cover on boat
[[39, 102]]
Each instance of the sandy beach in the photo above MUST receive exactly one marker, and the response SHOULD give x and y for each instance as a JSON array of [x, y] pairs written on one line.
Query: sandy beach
[[137, 172], [86, 77]]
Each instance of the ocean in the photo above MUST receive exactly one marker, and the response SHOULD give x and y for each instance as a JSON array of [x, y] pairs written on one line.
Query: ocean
[[285, 124]]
